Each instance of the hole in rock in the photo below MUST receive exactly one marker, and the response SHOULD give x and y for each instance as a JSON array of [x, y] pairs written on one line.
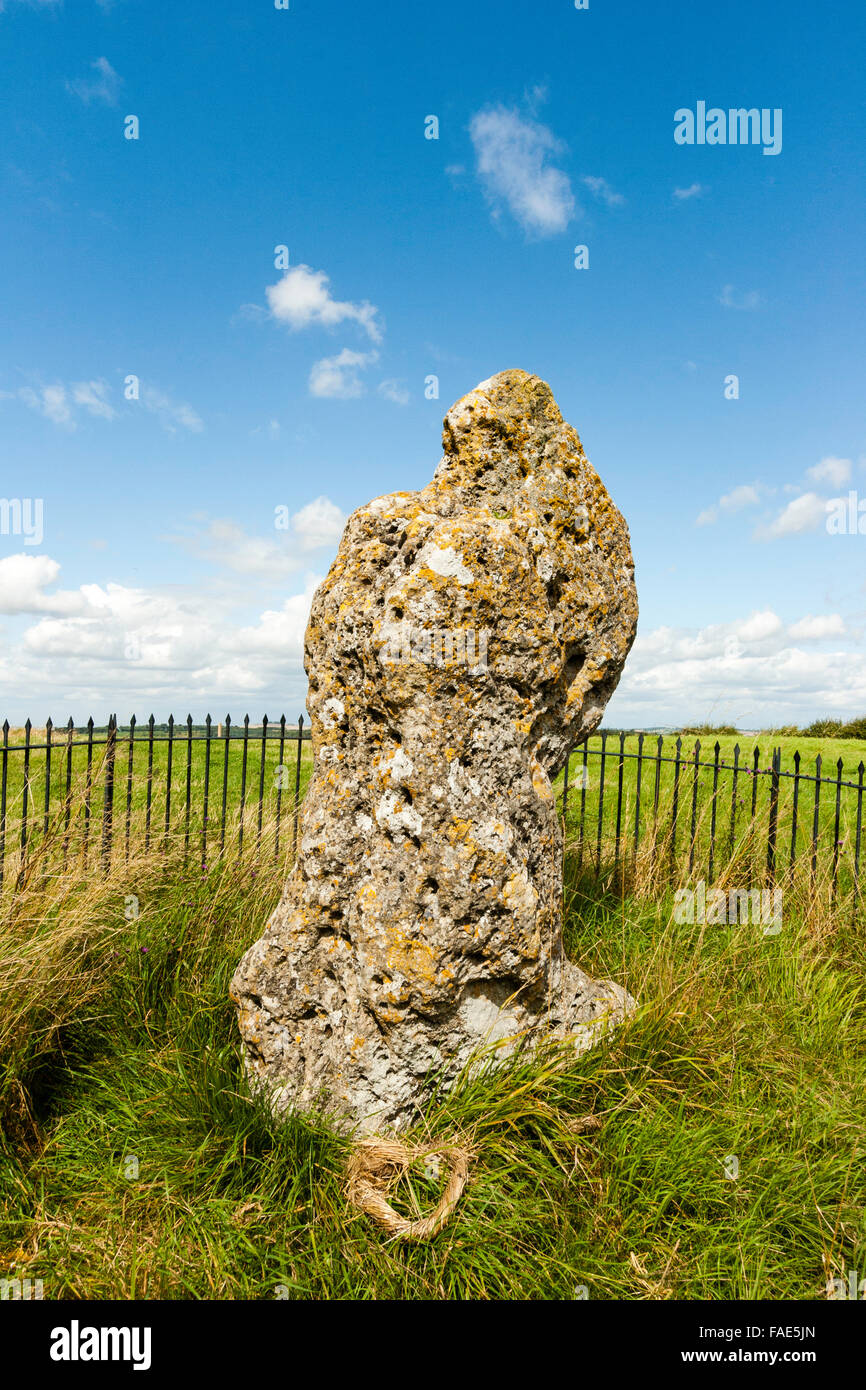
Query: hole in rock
[[574, 664]]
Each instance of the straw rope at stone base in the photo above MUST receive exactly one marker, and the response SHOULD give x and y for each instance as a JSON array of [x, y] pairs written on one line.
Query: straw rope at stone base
[[376, 1163]]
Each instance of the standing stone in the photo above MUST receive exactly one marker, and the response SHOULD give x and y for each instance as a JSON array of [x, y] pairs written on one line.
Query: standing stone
[[466, 638]]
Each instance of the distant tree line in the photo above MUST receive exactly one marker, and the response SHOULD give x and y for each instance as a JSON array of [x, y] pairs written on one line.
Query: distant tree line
[[819, 728]]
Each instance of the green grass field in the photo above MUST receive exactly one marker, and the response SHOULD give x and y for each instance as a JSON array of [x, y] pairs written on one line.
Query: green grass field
[[711, 1149]]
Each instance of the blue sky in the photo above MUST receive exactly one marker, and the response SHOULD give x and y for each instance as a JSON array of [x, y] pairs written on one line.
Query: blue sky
[[160, 581]]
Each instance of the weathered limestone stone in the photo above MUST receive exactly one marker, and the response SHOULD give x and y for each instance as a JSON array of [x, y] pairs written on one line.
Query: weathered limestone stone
[[465, 639]]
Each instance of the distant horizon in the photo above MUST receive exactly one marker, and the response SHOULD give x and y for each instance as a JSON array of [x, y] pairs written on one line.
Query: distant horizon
[[237, 726]]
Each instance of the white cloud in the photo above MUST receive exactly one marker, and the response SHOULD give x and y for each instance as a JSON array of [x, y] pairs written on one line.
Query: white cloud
[[302, 299], [512, 161], [225, 544], [104, 87], [758, 627], [749, 672], [828, 625], [730, 298], [535, 96], [271, 430], [91, 394], [167, 648], [256, 313], [280, 630], [23, 582], [319, 523], [831, 470], [746, 495], [394, 390], [173, 648], [50, 401], [694, 190], [805, 513], [171, 413], [601, 189], [58, 402], [338, 377], [209, 645]]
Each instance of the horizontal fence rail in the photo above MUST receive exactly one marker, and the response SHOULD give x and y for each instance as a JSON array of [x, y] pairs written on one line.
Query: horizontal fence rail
[[87, 794], [709, 817]]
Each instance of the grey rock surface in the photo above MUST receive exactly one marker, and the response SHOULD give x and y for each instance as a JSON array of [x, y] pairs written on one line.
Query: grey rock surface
[[466, 638]]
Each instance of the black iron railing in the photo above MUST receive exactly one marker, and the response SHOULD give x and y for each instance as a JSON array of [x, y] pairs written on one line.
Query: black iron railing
[[93, 793], [705, 806], [89, 791]]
